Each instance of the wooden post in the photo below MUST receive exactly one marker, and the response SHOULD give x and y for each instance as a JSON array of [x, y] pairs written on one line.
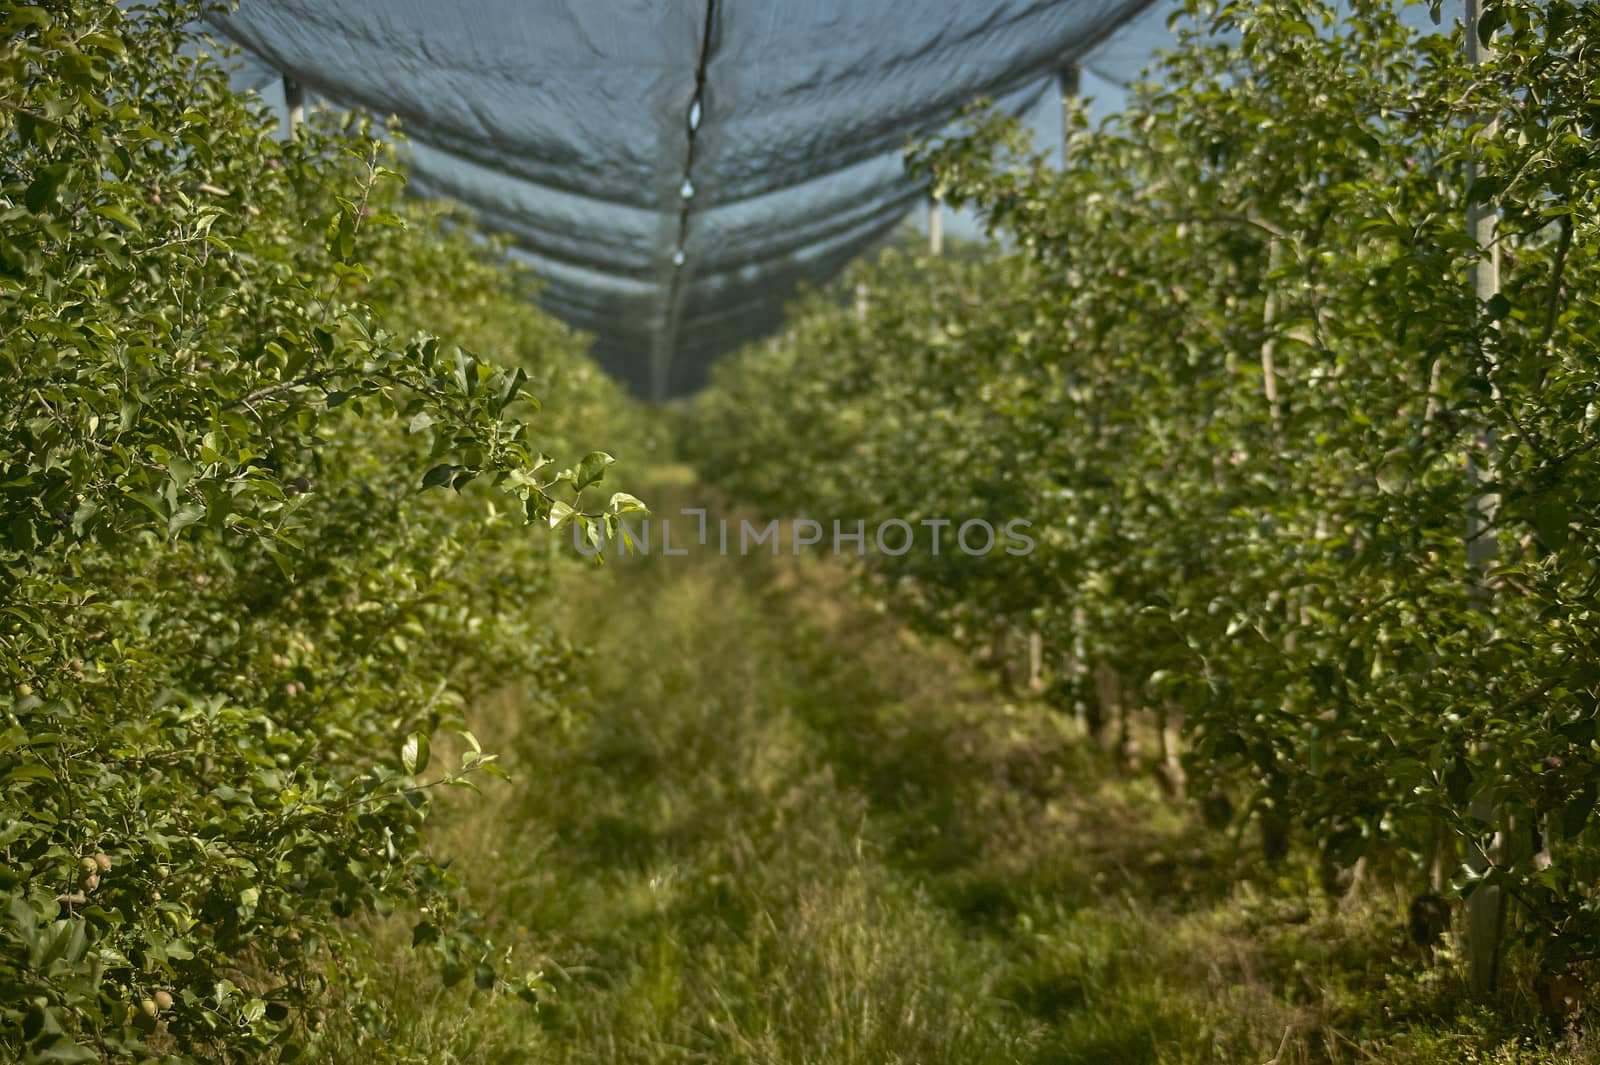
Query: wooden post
[[294, 99], [1486, 906], [935, 227]]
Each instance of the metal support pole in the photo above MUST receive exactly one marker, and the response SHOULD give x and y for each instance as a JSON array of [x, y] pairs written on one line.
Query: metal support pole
[[294, 98]]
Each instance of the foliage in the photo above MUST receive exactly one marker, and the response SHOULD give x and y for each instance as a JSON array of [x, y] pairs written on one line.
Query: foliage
[[1226, 358], [263, 537]]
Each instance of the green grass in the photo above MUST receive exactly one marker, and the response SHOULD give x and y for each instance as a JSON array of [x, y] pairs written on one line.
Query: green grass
[[783, 830]]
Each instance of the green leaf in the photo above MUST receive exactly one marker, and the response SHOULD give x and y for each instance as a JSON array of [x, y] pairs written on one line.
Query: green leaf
[[59, 1048], [1492, 17], [414, 753], [25, 921], [25, 15], [41, 191], [120, 216], [83, 515], [185, 516], [591, 469], [21, 774], [439, 476], [181, 470], [1553, 523], [559, 513]]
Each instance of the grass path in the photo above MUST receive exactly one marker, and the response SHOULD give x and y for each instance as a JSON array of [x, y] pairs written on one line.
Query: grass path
[[784, 830]]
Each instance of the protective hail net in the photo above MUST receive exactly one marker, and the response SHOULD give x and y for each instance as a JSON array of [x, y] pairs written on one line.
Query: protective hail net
[[673, 168]]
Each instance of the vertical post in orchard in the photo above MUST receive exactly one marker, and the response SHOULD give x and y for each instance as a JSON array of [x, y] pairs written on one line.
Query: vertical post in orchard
[[1486, 906], [1068, 78], [1071, 79], [1269, 344], [294, 100], [935, 225]]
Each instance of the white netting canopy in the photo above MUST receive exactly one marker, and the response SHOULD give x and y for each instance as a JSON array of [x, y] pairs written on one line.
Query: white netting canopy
[[673, 168]]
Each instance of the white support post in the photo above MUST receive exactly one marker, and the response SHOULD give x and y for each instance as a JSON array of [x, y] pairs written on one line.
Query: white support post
[[1486, 906], [935, 226], [1071, 79], [294, 99]]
